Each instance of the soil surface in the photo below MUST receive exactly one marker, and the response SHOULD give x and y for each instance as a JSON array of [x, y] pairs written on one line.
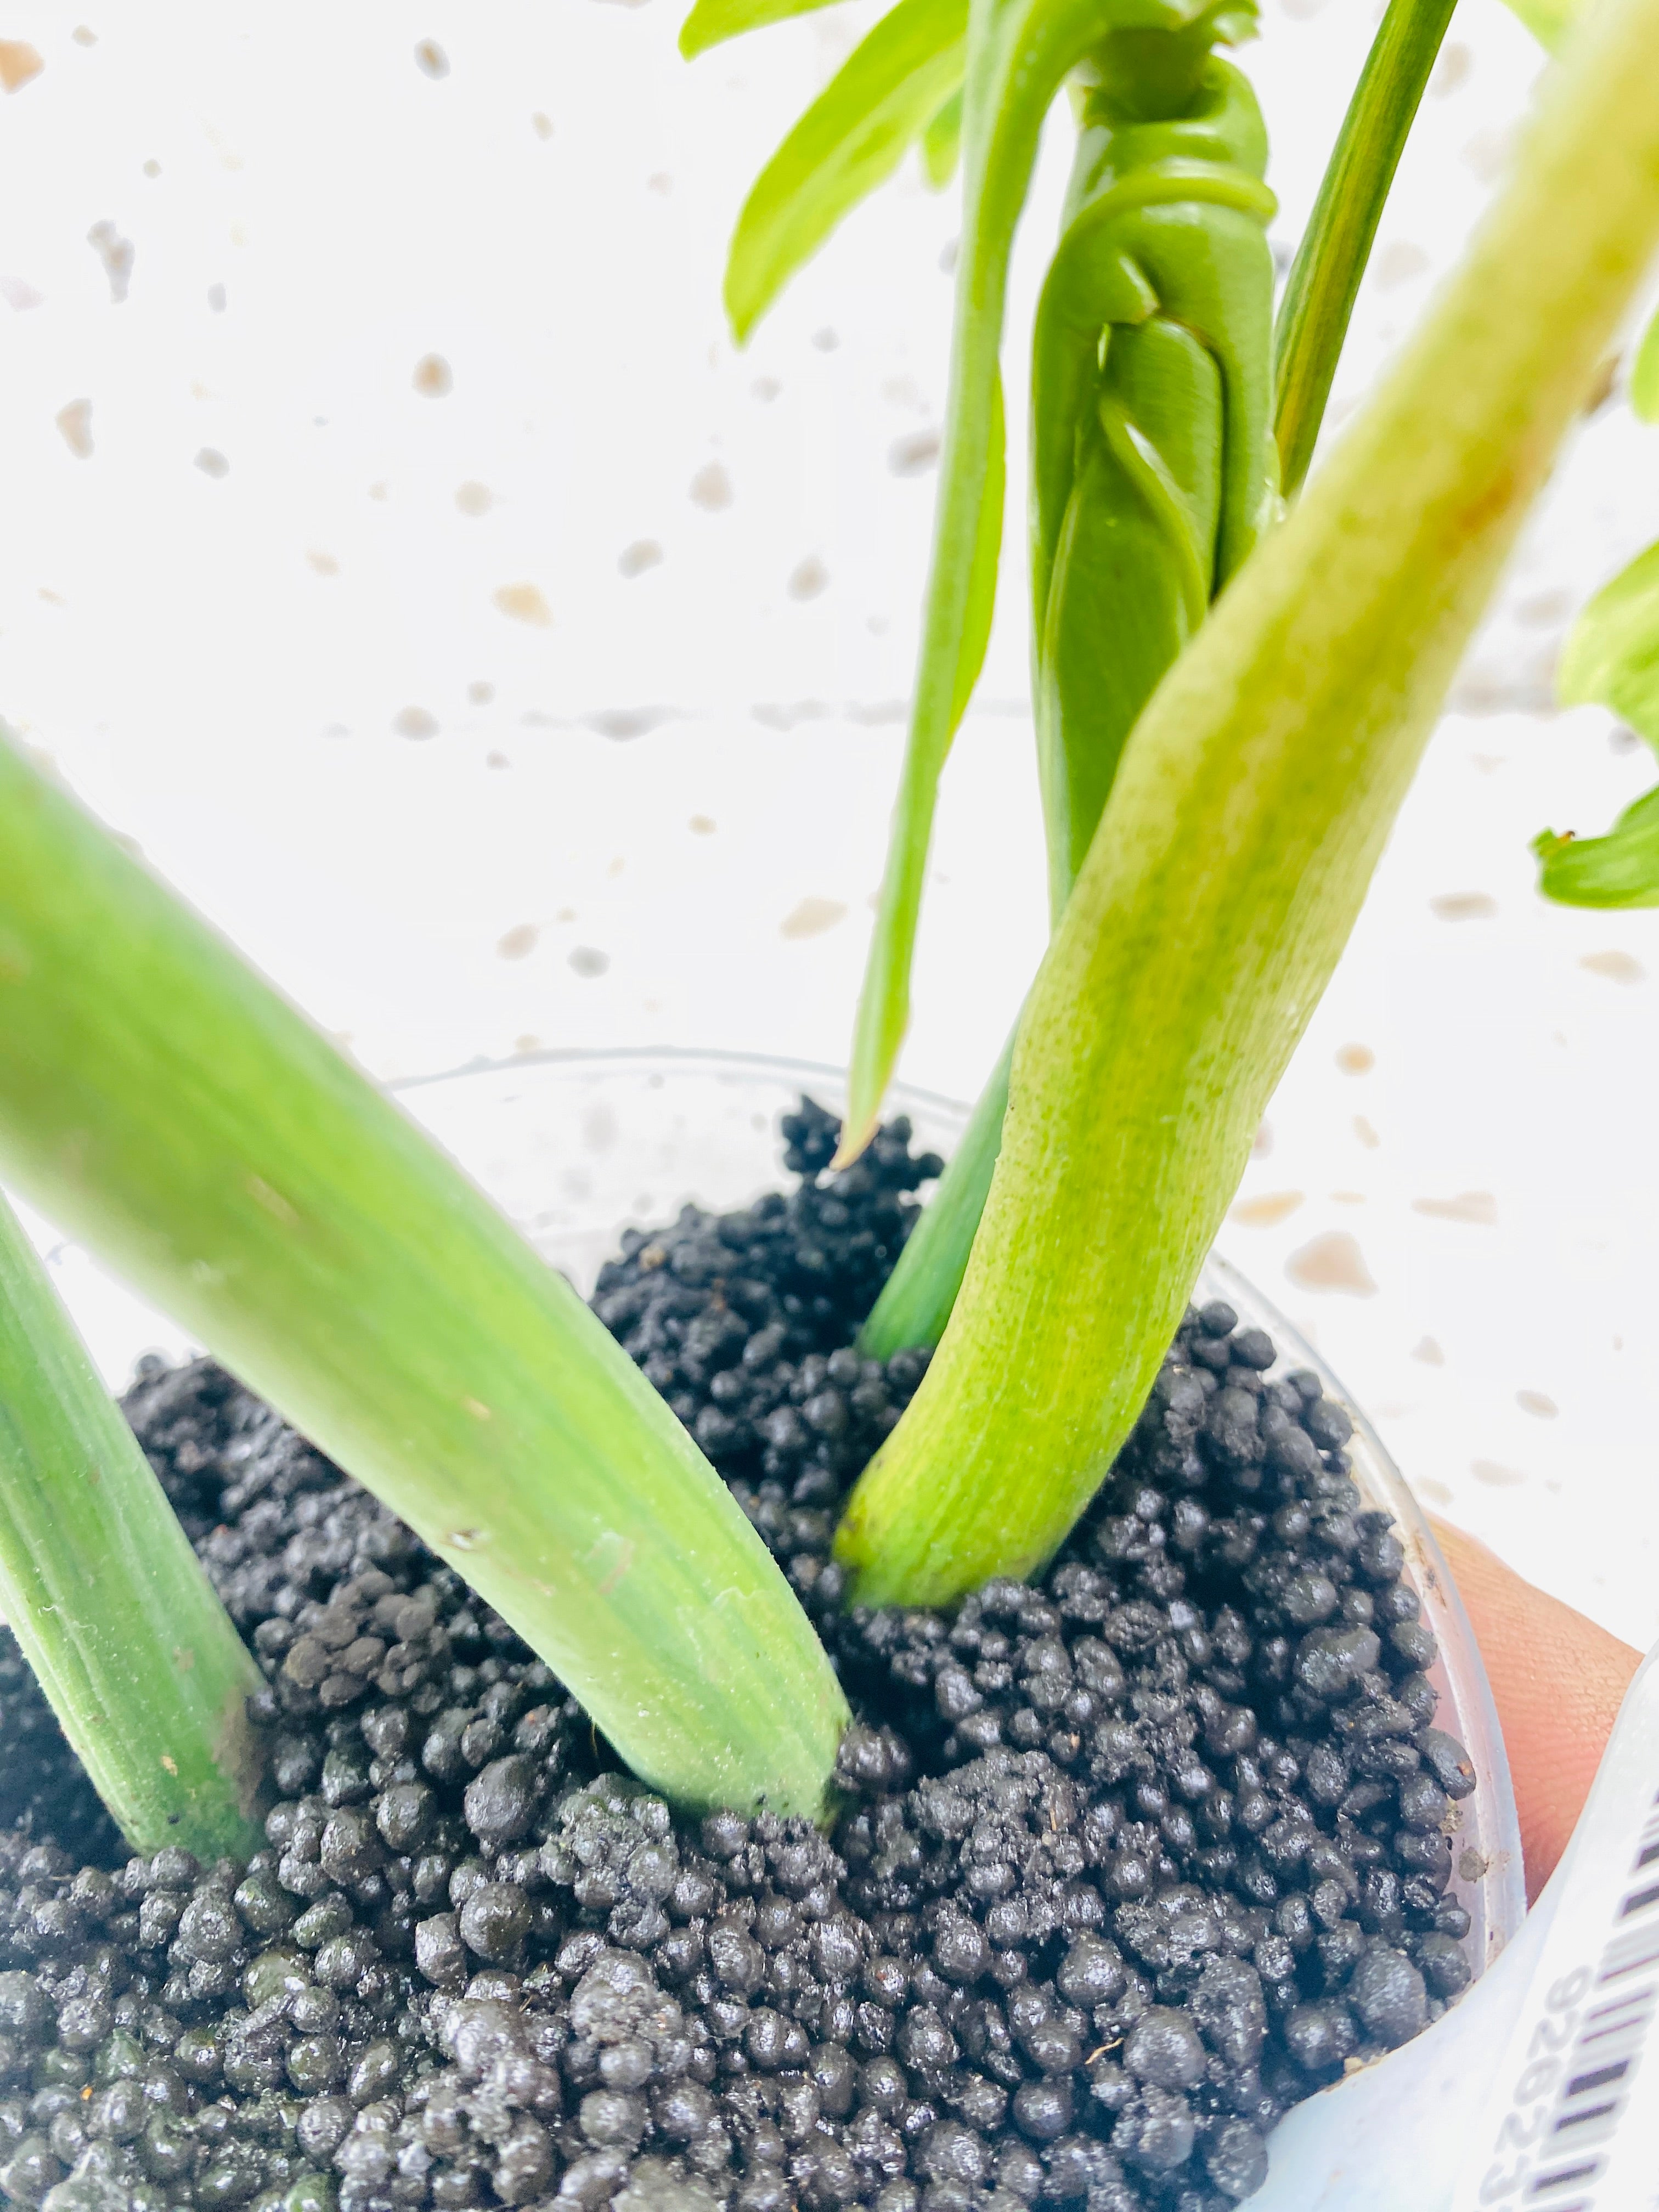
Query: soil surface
[[1131, 1860]]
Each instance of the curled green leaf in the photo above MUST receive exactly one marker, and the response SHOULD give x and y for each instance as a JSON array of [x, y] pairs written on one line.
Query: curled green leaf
[[1619, 870], [712, 21], [850, 140], [1151, 467]]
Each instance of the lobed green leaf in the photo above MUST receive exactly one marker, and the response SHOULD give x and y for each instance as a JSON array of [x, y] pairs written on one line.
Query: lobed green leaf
[[1619, 870], [1611, 657]]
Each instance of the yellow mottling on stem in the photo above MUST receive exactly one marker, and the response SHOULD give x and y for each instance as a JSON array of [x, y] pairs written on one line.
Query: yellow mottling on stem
[[272, 1200]]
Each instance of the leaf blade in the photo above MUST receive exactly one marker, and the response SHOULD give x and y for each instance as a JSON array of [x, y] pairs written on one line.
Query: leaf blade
[[941, 143], [711, 22], [851, 139]]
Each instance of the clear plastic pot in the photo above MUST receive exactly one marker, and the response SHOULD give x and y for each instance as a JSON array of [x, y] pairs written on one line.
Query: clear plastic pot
[[575, 1146]]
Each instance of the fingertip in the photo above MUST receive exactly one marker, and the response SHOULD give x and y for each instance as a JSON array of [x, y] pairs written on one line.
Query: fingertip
[[1558, 1681]]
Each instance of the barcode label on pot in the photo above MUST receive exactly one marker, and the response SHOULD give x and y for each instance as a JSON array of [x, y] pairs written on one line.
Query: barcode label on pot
[[1572, 2124]]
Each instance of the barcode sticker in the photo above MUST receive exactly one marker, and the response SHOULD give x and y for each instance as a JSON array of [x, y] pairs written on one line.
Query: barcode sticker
[[1572, 2122]]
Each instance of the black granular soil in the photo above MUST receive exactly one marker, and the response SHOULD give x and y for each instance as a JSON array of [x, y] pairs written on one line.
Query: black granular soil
[[1131, 1860]]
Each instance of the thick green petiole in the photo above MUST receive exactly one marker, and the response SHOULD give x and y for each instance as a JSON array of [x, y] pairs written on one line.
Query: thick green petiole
[[147, 1676], [161, 1102], [1252, 802], [1324, 278]]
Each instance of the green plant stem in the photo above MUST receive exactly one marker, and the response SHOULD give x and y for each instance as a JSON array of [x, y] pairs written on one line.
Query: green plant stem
[[148, 1677], [1018, 54], [162, 1103], [1324, 279], [1232, 858], [917, 1297]]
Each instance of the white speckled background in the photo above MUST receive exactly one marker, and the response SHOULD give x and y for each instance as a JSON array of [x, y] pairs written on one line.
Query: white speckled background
[[409, 564]]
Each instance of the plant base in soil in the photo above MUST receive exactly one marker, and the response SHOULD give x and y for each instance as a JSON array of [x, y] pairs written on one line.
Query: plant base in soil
[[1130, 1860]]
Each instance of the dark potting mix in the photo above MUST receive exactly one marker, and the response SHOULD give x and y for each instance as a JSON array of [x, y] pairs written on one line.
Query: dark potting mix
[[1129, 1860]]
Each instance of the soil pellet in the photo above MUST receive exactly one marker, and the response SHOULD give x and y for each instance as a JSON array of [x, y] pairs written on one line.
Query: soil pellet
[[1129, 1859]]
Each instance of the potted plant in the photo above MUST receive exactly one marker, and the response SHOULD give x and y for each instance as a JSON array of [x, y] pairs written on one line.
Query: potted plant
[[1081, 1805]]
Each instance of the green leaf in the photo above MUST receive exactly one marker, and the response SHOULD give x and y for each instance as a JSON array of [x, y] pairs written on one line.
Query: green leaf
[[712, 21], [1611, 657], [850, 140], [1619, 870], [164, 1105], [1645, 374], [148, 1677], [1252, 804], [941, 143], [1549, 20]]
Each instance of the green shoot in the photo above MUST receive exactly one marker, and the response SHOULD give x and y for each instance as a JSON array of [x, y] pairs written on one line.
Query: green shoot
[[1324, 279], [148, 1677], [1019, 53], [161, 1102], [851, 139], [916, 1301], [1252, 801]]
